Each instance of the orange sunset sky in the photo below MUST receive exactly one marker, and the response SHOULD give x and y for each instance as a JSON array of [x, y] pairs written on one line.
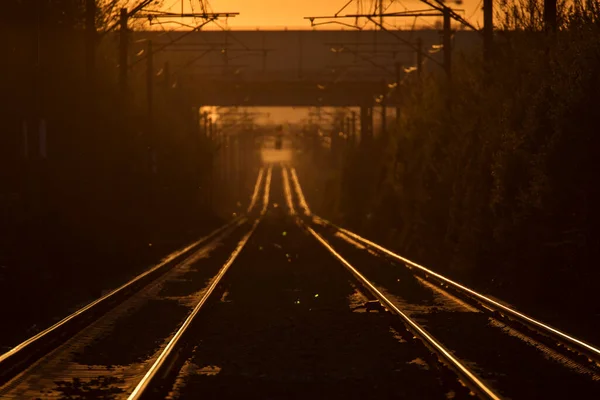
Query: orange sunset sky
[[280, 14], [277, 14]]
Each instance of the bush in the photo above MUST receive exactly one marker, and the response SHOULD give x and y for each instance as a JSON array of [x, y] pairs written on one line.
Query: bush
[[499, 184]]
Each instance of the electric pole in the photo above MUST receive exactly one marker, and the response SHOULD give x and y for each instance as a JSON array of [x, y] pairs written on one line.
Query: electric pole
[[167, 76], [397, 96], [205, 119], [123, 52], [419, 58], [39, 110], [383, 112], [488, 30], [353, 127], [149, 79], [447, 43], [366, 125], [90, 48], [209, 125], [550, 16], [348, 128], [149, 99]]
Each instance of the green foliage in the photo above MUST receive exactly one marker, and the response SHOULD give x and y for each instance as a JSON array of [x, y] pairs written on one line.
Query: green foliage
[[98, 171], [502, 177]]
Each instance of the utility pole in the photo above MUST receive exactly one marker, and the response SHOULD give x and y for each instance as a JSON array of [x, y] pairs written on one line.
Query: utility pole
[[488, 31], [167, 76], [205, 119], [397, 96], [383, 120], [90, 48], [39, 110], [38, 65], [149, 80], [348, 128], [383, 112], [447, 43], [225, 55], [225, 167], [149, 99], [550, 23], [212, 163], [353, 127], [381, 14], [123, 52], [366, 125], [419, 58]]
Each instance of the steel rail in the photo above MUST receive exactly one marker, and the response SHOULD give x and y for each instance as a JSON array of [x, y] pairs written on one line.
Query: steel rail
[[545, 328], [256, 189], [267, 190], [470, 378], [288, 192], [299, 193], [92, 306], [151, 374]]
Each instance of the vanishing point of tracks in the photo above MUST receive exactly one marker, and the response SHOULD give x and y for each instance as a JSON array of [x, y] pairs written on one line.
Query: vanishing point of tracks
[[265, 307]]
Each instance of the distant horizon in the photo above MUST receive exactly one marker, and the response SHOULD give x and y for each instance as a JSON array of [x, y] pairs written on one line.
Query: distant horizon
[[274, 14], [294, 28]]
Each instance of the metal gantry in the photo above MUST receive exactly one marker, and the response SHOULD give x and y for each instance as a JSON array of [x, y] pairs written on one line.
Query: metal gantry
[[445, 12]]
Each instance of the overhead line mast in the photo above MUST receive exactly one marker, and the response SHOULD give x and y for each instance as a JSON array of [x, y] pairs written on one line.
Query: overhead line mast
[[438, 9]]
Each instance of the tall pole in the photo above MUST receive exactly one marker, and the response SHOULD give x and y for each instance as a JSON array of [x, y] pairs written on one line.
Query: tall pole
[[383, 120], [123, 52], [348, 128], [550, 23], [225, 167], [149, 80], [225, 56], [383, 112], [167, 76], [90, 48], [212, 162], [397, 96], [205, 119], [353, 127], [149, 98], [381, 14], [488, 29], [38, 70], [38, 87], [300, 54], [447, 43], [419, 58], [366, 125]]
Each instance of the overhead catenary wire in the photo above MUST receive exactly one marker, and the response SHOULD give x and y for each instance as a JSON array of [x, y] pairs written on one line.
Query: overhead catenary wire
[[437, 5], [160, 48]]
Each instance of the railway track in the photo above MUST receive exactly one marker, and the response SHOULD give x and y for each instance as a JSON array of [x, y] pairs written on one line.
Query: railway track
[[288, 321], [104, 349], [287, 305], [514, 354]]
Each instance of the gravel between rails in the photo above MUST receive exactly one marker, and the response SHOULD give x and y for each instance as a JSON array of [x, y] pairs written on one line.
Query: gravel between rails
[[57, 281], [516, 365], [284, 327], [107, 358]]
